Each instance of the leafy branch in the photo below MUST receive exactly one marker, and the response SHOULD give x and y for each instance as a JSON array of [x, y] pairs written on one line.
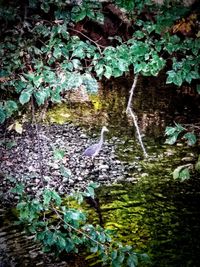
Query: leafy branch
[[61, 227]]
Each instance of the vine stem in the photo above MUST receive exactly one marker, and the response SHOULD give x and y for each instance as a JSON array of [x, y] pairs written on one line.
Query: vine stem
[[130, 111]]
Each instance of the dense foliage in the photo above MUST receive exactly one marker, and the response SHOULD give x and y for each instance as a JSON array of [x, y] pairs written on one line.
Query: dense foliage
[[45, 52], [62, 228]]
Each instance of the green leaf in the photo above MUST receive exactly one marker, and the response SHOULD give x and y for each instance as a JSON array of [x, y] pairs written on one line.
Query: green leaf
[[113, 254], [10, 106], [99, 70], [24, 97], [132, 260], [57, 53], [78, 13], [2, 115], [76, 64], [18, 189], [170, 130], [108, 72], [178, 79], [89, 192], [58, 154], [46, 197], [181, 173], [69, 245], [61, 242], [191, 138], [115, 263], [94, 185], [172, 139], [56, 197], [45, 6], [37, 80], [41, 96], [78, 52]]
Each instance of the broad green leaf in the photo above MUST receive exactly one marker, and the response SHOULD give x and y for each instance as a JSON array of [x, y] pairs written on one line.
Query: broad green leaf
[[10, 106], [78, 52], [122, 65], [76, 64], [46, 197], [114, 254], [45, 6], [89, 192], [55, 97], [24, 97], [172, 139], [99, 70], [191, 138], [78, 14], [18, 189], [137, 68], [170, 130], [41, 95], [108, 72], [37, 80], [61, 242], [94, 185], [115, 263], [56, 197], [2, 115], [171, 76], [57, 52], [69, 245], [181, 173], [132, 260], [178, 79]]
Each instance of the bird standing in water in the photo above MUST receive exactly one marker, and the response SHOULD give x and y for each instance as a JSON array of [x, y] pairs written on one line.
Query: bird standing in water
[[93, 150]]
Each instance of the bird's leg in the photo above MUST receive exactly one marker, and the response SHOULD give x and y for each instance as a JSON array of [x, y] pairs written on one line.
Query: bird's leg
[[92, 160]]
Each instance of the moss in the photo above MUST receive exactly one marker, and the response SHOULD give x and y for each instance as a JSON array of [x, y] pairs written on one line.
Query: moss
[[60, 114]]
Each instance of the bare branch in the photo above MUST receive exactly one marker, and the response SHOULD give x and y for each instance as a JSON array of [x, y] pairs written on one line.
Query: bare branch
[[130, 111]]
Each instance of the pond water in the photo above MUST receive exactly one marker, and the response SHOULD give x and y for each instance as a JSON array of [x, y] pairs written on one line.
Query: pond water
[[156, 214]]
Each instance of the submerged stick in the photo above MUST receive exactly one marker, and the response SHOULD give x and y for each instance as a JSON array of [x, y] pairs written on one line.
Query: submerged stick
[[130, 111]]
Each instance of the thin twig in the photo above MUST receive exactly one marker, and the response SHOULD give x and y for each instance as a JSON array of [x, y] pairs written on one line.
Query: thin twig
[[131, 92], [129, 110], [98, 45]]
